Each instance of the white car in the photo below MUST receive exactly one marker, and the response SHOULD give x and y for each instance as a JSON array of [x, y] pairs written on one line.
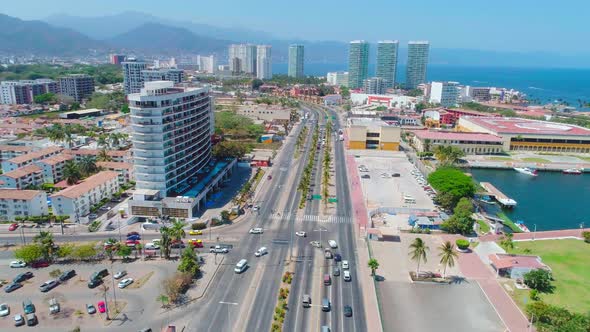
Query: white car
[[316, 244], [125, 282], [17, 264], [301, 233], [255, 208], [347, 275], [4, 310], [260, 252], [256, 230], [120, 274], [151, 246], [19, 320], [333, 244], [345, 265]]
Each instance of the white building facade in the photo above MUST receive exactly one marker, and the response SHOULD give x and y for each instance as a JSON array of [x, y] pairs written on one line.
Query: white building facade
[[339, 78], [263, 62], [444, 93], [22, 203], [132, 76]]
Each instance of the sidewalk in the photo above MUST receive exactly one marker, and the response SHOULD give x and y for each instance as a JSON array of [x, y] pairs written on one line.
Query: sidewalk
[[541, 235]]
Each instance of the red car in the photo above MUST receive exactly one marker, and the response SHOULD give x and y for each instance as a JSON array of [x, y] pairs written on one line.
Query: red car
[[131, 243], [39, 264], [13, 227], [102, 308]]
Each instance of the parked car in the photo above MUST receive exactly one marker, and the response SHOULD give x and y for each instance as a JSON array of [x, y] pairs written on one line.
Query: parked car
[[39, 264], [125, 282], [13, 227], [67, 275], [337, 257], [132, 243], [92, 216], [102, 307], [336, 271], [151, 246], [132, 233], [31, 319], [116, 200], [196, 243], [90, 309], [256, 230], [365, 176], [345, 265], [133, 237], [347, 311], [219, 250], [28, 307], [177, 244], [105, 208], [48, 285], [396, 175], [12, 287], [195, 232], [120, 274], [4, 310], [17, 264], [23, 276], [301, 233], [19, 320]]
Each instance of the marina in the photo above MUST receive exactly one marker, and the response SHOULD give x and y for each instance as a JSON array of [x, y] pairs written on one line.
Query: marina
[[499, 196]]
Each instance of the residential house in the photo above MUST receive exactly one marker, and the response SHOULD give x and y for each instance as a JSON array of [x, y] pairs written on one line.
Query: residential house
[[125, 170], [53, 167], [22, 203], [29, 158], [22, 178]]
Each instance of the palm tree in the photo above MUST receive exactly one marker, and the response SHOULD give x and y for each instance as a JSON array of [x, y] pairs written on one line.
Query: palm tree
[[87, 165], [45, 239], [448, 155], [103, 155], [114, 139], [177, 230], [418, 252], [102, 141], [68, 138], [166, 241], [447, 255], [71, 172], [427, 143], [373, 265]]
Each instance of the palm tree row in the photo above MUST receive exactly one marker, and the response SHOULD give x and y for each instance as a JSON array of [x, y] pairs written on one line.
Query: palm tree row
[[76, 171], [306, 177], [174, 233], [448, 155], [111, 140], [327, 161], [419, 249]]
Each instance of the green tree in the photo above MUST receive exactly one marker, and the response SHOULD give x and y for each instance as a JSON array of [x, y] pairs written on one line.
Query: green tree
[[103, 155], [29, 253], [344, 92], [87, 165], [227, 149], [188, 262], [45, 240], [124, 251], [177, 230], [71, 172], [45, 98], [65, 250], [461, 221], [586, 236], [506, 241], [84, 251], [125, 109], [373, 265], [448, 155], [418, 250], [165, 241], [256, 84], [415, 93], [452, 184], [224, 215], [447, 256], [539, 279]]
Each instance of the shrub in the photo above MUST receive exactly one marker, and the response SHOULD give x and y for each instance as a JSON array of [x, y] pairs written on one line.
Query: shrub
[[534, 295], [540, 280], [199, 225], [586, 236], [216, 222], [55, 273], [462, 244]]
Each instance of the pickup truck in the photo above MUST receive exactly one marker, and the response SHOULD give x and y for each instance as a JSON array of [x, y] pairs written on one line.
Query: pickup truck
[[218, 250]]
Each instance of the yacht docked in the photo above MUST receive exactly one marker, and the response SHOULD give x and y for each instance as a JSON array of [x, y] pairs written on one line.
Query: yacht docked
[[574, 171], [526, 170]]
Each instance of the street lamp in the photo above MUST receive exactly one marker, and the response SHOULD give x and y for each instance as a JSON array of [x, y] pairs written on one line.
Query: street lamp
[[228, 308], [320, 229], [534, 231]]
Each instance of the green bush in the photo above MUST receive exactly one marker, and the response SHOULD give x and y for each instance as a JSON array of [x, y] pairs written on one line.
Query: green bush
[[462, 244], [198, 226], [586, 236]]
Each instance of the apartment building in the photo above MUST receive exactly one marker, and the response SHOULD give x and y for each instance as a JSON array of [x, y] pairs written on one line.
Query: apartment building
[[374, 85], [375, 134], [339, 78], [358, 63], [77, 86], [22, 203], [22, 178], [76, 201], [132, 76], [163, 74], [125, 170], [444, 93], [242, 58], [116, 155], [296, 61], [29, 158], [263, 62], [53, 166], [25, 91], [387, 61], [416, 69], [8, 152]]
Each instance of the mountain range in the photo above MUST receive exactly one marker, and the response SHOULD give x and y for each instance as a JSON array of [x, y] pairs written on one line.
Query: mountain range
[[131, 32]]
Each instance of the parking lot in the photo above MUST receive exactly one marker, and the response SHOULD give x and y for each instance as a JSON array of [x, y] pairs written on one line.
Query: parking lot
[[382, 187], [73, 295]]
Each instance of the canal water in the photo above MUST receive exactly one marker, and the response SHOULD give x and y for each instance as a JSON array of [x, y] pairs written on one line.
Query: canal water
[[551, 200]]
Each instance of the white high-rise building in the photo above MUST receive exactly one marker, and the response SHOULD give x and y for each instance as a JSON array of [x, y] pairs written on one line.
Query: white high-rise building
[[132, 76], [171, 135], [263, 62], [387, 61], [417, 63], [374, 85], [242, 58], [339, 78], [208, 64], [444, 93]]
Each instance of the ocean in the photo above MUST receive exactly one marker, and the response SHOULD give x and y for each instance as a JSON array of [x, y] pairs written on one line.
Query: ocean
[[551, 200], [543, 85]]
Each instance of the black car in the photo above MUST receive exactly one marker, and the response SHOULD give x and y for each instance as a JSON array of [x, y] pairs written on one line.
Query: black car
[[12, 287], [337, 257], [347, 311], [94, 282], [67, 275], [365, 176], [22, 277], [396, 175]]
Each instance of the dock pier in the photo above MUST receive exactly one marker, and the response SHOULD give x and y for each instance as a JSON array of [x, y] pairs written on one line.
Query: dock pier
[[500, 197]]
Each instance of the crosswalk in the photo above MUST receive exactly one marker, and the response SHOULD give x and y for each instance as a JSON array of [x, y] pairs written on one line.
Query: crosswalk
[[313, 218]]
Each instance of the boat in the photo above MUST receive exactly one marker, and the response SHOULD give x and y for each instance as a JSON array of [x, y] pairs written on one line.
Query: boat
[[520, 224], [526, 170], [574, 171]]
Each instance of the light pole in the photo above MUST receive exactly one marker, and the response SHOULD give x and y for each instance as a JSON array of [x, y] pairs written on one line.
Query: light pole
[[228, 308], [534, 231], [320, 229]]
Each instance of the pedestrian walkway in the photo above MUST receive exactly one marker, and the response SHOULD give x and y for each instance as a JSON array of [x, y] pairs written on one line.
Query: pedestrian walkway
[[313, 218], [542, 235]]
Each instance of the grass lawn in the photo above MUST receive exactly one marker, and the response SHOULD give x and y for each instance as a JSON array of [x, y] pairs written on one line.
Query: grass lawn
[[483, 226], [586, 159], [536, 160], [570, 262]]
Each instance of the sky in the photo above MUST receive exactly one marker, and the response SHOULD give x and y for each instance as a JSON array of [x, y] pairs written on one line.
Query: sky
[[507, 25]]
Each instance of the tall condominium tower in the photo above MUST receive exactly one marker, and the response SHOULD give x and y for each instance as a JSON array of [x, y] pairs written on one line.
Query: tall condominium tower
[[171, 135], [417, 63], [296, 56], [358, 63], [387, 61], [77, 86], [263, 62], [246, 54], [132, 77], [166, 74]]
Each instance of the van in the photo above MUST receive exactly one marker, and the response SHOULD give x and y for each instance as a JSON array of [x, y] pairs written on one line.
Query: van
[[327, 280], [347, 275], [241, 266], [326, 304], [31, 319], [99, 274], [28, 307], [306, 301], [333, 244], [260, 252]]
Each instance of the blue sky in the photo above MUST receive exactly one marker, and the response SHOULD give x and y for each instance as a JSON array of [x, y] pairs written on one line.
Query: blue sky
[[509, 25]]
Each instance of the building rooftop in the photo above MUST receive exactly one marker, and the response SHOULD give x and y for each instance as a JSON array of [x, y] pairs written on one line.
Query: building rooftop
[[367, 122], [23, 171], [19, 148], [53, 160], [87, 185], [525, 126], [114, 165], [504, 261], [35, 155], [456, 136], [19, 194], [82, 112], [94, 152]]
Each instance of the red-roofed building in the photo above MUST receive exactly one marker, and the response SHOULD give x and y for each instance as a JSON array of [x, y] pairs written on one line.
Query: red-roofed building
[[515, 266], [470, 143]]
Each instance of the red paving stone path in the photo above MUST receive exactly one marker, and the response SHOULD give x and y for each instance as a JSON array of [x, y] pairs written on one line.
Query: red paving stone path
[[566, 233]]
